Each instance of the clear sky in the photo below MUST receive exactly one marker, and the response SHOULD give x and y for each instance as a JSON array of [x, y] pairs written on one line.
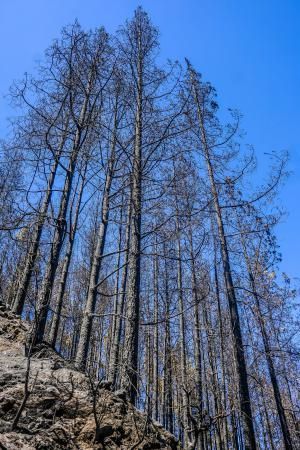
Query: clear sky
[[249, 50]]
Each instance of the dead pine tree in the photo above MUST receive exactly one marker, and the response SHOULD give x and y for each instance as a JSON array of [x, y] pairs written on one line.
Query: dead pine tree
[[97, 258], [252, 271], [84, 115], [55, 128], [201, 97], [116, 347], [154, 124], [66, 263]]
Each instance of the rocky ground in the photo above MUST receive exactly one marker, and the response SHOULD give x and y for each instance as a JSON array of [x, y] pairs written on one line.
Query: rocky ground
[[59, 413]]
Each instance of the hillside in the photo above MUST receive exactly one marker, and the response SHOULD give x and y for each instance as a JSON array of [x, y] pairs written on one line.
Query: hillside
[[59, 411]]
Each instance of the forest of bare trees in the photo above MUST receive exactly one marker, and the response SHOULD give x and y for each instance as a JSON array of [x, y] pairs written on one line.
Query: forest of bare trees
[[136, 243]]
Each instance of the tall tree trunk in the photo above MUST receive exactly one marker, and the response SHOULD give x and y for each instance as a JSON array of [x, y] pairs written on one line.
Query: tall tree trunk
[[182, 340], [267, 429], [87, 321], [130, 357], [116, 294], [58, 239], [168, 379], [115, 351], [215, 382], [60, 230], [222, 349], [65, 269], [197, 335], [245, 402], [149, 372], [268, 354], [155, 340], [26, 273]]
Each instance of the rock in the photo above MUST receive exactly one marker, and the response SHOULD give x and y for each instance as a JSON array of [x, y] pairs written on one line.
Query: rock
[[6, 404], [122, 394], [52, 390], [59, 412], [104, 431], [4, 426], [105, 384]]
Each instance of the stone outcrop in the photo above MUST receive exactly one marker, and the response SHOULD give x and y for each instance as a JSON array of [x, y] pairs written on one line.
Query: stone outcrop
[[65, 409]]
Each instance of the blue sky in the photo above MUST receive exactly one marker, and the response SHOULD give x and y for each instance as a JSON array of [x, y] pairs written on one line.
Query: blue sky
[[250, 51]]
